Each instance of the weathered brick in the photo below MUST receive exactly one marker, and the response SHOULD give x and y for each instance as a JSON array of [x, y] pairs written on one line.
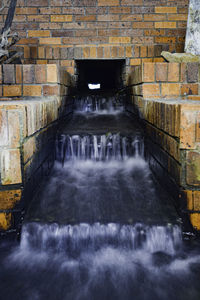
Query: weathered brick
[[52, 75], [50, 41], [28, 74], [165, 39], [108, 2], [119, 40], [189, 89], [38, 3], [39, 33], [148, 72], [61, 18], [165, 24], [135, 61], [188, 126], [1, 79], [32, 90], [9, 198], [177, 17], [143, 25], [8, 74], [50, 90], [166, 9], [5, 221], [40, 74], [150, 90], [86, 52], [38, 18], [18, 74], [193, 168], [10, 167], [195, 220], [88, 18], [14, 128], [192, 72], [173, 72], [12, 90], [170, 89], [29, 148], [161, 71]]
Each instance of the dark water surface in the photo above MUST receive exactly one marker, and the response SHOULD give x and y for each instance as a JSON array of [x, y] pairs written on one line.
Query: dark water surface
[[100, 228]]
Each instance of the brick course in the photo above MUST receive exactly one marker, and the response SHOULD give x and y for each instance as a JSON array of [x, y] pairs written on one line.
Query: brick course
[[45, 27]]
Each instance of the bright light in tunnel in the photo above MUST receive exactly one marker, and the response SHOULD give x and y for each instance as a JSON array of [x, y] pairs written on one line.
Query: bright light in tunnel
[[93, 86]]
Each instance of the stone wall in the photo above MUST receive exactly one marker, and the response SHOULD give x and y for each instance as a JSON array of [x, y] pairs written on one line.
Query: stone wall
[[166, 96], [64, 30], [33, 99]]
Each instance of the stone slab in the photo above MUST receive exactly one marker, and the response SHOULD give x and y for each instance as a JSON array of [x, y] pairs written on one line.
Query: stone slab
[[192, 43]]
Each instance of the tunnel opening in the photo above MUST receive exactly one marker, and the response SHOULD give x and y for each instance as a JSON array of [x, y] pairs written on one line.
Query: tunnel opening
[[99, 75]]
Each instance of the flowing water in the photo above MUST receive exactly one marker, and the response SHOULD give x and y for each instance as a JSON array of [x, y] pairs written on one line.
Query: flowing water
[[100, 228]]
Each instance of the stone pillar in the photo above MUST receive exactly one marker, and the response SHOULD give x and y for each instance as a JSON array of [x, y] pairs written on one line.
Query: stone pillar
[[192, 43]]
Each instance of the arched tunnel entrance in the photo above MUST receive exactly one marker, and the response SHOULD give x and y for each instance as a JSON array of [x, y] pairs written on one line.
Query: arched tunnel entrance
[[107, 73]]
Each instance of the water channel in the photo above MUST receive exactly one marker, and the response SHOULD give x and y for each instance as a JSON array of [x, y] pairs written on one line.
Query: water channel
[[100, 227]]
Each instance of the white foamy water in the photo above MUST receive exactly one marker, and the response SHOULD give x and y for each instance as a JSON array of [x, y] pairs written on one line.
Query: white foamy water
[[98, 147], [100, 261], [98, 105]]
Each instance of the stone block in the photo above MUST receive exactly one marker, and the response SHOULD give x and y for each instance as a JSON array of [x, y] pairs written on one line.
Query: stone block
[[10, 167], [9, 198]]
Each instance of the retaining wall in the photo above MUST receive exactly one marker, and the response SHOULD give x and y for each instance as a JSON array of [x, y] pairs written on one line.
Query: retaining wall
[[60, 31], [166, 96], [33, 98]]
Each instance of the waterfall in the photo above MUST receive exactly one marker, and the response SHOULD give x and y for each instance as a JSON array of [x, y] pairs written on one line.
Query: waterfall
[[98, 147]]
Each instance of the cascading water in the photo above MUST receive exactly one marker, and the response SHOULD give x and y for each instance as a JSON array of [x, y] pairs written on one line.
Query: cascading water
[[100, 228]]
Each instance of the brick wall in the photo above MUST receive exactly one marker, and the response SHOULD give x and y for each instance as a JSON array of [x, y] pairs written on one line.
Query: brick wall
[[166, 97], [33, 99], [63, 30]]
